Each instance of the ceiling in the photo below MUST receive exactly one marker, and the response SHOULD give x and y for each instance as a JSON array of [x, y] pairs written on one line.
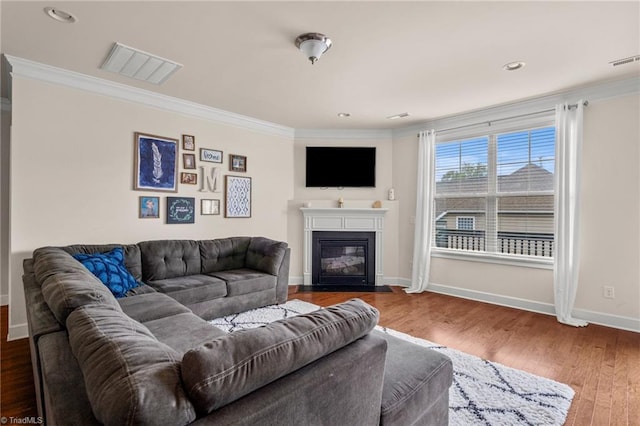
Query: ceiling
[[430, 59]]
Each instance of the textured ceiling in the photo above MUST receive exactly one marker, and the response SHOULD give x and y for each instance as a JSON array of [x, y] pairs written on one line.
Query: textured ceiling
[[429, 59]]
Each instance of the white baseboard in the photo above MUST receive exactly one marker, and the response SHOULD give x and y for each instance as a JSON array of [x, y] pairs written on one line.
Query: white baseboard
[[403, 282], [296, 280], [4, 299], [16, 332], [608, 320]]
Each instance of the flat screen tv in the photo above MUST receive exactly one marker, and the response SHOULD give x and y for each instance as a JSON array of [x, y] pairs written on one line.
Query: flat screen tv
[[341, 167]]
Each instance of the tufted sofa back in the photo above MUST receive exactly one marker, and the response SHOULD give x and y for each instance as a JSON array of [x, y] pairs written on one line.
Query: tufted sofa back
[[162, 259]]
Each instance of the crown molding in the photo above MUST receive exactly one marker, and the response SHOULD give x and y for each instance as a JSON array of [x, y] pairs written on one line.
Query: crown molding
[[595, 92], [37, 71], [350, 134]]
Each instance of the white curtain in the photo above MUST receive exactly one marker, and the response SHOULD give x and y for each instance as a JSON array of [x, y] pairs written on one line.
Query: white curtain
[[567, 203], [424, 213]]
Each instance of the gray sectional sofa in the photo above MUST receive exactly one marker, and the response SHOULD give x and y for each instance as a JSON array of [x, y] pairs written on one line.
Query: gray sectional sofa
[[150, 357]]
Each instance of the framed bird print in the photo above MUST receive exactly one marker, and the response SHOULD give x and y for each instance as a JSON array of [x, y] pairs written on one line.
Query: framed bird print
[[155, 163]]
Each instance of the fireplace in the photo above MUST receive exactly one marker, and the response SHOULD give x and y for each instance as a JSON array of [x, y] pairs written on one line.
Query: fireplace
[[357, 220], [343, 258]]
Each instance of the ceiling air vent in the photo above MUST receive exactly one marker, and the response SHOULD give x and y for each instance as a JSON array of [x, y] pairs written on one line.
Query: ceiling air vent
[[623, 61], [134, 63]]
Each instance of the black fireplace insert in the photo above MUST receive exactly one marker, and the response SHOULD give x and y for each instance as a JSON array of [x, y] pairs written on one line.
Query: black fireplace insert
[[343, 258]]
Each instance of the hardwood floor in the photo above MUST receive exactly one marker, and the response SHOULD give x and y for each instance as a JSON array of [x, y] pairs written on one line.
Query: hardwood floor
[[601, 364]]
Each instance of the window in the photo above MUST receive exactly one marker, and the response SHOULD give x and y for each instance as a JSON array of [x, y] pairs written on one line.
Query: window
[[495, 193], [466, 223]]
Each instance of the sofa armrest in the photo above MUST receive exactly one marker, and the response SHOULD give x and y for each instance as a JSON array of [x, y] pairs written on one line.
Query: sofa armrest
[[282, 285], [232, 366], [337, 389]]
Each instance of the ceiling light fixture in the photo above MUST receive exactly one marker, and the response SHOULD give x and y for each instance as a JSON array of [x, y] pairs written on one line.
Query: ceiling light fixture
[[60, 15], [512, 66], [344, 114], [313, 45], [401, 115]]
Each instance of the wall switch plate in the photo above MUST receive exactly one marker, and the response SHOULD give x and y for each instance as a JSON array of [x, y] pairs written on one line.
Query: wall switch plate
[[609, 292]]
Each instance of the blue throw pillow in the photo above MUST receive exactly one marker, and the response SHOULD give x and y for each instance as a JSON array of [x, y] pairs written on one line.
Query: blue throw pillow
[[109, 268]]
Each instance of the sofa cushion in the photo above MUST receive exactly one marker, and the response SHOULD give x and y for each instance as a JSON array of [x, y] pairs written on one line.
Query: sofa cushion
[[234, 365], [191, 289], [223, 253], [66, 284], [171, 331], [414, 379], [109, 268], [265, 255], [244, 281], [163, 259], [130, 377], [151, 306]]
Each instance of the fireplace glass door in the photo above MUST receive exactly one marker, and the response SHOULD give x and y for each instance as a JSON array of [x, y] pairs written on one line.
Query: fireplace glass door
[[343, 258]]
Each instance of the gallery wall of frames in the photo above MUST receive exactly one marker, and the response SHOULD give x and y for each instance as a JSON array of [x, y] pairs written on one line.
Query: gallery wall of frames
[[165, 165]]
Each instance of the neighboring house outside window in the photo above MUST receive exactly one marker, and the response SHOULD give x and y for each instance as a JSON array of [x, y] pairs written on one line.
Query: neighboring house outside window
[[495, 193]]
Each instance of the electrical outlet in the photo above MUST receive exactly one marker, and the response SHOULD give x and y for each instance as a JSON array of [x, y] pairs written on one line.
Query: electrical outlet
[[609, 292]]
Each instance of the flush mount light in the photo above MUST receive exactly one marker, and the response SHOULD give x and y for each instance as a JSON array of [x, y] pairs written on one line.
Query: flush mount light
[[134, 63], [60, 15], [512, 66], [313, 45], [344, 114], [401, 115]]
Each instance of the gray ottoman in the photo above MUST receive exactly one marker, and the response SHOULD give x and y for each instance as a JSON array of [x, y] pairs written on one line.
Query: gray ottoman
[[416, 385]]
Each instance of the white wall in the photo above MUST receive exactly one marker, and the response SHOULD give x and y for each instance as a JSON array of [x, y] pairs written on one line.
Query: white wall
[[72, 175], [610, 245], [353, 197]]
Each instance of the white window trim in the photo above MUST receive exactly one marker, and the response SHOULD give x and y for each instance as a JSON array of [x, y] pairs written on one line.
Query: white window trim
[[505, 126], [495, 258]]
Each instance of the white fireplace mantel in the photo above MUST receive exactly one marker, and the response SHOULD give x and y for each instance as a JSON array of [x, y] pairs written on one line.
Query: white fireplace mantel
[[347, 220]]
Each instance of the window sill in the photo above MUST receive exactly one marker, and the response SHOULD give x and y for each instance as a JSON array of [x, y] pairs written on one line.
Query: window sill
[[513, 260]]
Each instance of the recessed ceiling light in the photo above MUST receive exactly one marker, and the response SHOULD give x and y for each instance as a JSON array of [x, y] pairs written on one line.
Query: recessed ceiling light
[[401, 115], [344, 114], [512, 66], [60, 15]]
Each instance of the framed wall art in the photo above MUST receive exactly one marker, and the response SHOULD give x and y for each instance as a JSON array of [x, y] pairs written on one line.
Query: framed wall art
[[189, 178], [155, 163], [188, 143], [209, 207], [148, 207], [237, 163], [210, 155], [181, 210], [237, 201], [189, 161]]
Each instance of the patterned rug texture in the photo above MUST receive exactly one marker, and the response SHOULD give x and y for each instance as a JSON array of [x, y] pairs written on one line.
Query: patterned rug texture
[[482, 393]]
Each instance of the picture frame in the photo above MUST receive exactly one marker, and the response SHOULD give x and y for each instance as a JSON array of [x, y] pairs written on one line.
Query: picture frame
[[237, 163], [188, 142], [155, 163], [209, 207], [148, 207], [180, 210], [210, 155], [237, 196], [189, 178], [189, 161]]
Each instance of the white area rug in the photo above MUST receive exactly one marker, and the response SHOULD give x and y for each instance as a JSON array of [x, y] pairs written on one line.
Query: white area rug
[[482, 393]]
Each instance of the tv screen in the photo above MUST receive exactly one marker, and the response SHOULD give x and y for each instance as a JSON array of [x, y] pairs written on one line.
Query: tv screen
[[341, 167]]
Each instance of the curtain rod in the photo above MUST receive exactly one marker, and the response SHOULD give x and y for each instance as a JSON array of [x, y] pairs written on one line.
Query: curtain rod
[[488, 122]]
